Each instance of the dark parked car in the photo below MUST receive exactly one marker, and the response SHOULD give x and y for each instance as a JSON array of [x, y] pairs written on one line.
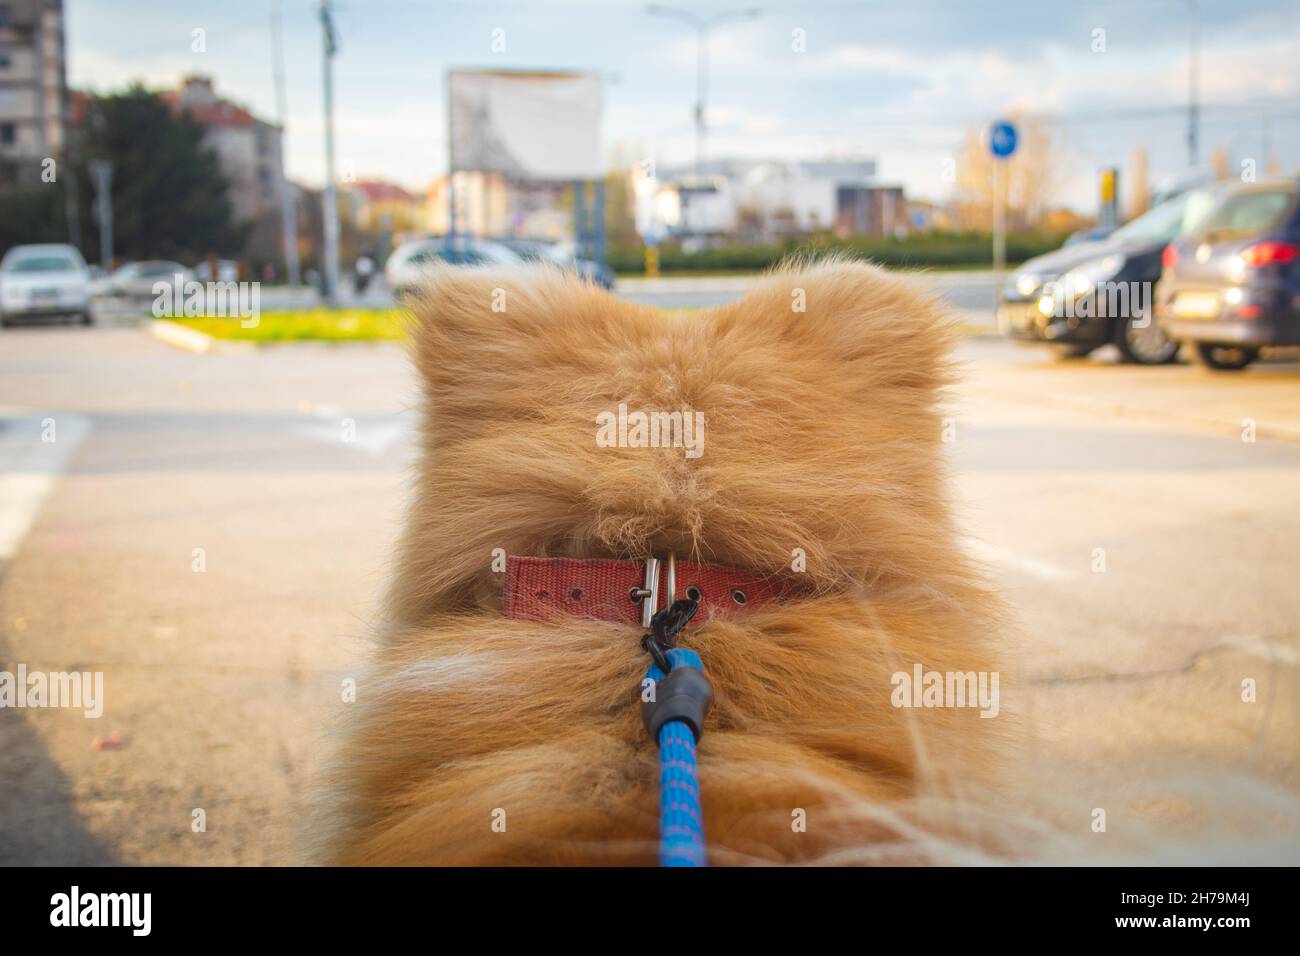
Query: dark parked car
[[1093, 234], [1231, 286], [1082, 296]]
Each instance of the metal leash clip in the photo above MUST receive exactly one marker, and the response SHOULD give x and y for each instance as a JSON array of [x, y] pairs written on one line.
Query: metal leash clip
[[682, 693], [663, 625]]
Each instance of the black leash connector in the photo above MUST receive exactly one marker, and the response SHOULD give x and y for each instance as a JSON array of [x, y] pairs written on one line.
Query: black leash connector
[[683, 693], [664, 627]]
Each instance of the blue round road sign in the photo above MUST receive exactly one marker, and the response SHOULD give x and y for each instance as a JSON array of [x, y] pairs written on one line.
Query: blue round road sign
[[1002, 139]]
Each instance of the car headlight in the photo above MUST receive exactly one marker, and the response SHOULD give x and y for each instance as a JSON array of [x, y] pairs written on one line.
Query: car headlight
[[1024, 284], [1082, 279]]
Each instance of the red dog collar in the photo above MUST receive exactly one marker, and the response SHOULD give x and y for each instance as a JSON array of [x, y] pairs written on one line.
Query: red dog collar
[[606, 589]]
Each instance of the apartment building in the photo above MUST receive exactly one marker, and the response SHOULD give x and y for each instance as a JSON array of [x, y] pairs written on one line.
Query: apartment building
[[33, 87]]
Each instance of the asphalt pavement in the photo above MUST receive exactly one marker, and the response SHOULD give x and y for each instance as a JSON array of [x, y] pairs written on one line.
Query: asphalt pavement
[[202, 531]]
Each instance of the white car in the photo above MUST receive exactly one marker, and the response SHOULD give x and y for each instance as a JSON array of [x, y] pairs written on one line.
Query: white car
[[410, 260], [135, 280], [44, 281]]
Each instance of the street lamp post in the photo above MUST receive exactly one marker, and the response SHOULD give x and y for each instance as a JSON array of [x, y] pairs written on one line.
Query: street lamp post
[[288, 205], [1193, 110], [102, 171], [330, 211], [701, 26]]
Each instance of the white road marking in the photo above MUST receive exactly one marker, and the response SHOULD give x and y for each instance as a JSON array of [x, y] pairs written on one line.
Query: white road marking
[[29, 468], [374, 438], [1034, 567]]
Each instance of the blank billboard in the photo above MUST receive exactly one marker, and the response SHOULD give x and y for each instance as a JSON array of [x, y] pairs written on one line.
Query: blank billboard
[[525, 125]]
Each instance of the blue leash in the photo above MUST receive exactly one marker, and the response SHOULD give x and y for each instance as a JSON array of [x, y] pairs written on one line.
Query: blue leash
[[675, 719], [681, 821]]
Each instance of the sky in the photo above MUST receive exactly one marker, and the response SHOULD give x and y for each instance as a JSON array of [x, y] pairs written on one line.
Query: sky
[[900, 81]]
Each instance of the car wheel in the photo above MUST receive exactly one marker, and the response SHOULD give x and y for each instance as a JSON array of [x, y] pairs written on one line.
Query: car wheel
[[1146, 344], [1225, 358], [1075, 351], [86, 318]]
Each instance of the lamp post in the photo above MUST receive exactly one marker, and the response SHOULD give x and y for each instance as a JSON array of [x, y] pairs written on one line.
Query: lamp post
[[1193, 68], [288, 207], [331, 209], [701, 26]]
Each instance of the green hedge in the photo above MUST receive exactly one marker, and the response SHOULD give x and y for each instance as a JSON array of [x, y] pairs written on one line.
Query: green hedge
[[944, 249]]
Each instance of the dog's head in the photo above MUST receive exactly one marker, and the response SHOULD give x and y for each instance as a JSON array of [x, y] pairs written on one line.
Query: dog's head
[[793, 431]]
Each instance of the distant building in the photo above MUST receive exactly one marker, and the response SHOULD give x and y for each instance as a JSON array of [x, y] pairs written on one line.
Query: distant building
[[865, 210], [249, 151], [481, 200], [769, 200], [33, 87], [376, 206]]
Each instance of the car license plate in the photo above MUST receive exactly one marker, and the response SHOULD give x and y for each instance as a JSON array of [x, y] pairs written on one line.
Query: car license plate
[[1017, 316], [45, 295], [1196, 305]]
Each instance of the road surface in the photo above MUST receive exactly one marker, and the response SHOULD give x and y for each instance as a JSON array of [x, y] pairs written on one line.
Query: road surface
[[200, 531]]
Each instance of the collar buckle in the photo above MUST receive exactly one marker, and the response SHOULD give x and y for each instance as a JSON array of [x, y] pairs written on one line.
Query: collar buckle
[[649, 590]]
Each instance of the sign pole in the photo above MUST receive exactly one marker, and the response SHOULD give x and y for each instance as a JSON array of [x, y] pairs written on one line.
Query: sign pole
[[999, 231], [1002, 143]]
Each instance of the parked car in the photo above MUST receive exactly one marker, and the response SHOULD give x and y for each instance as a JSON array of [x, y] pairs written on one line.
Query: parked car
[[409, 260], [1093, 234], [1080, 297], [44, 281], [135, 280], [562, 255], [1231, 286]]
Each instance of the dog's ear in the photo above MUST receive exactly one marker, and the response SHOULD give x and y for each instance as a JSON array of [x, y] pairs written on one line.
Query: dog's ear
[[886, 333], [478, 331]]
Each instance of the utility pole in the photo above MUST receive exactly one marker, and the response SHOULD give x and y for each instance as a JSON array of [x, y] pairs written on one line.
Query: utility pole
[[102, 170], [331, 210], [701, 26], [288, 206], [1193, 67]]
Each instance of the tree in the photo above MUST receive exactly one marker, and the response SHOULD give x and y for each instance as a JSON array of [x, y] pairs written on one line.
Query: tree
[[1028, 178], [169, 195], [32, 214]]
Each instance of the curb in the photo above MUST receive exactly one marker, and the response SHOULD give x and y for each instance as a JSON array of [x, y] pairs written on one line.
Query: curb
[[181, 336]]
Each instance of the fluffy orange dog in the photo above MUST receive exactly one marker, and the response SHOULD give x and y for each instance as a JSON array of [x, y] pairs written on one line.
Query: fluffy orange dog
[[479, 739]]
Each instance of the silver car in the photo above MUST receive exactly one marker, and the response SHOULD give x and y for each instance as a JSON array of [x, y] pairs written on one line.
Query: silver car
[[45, 281], [136, 280], [409, 261]]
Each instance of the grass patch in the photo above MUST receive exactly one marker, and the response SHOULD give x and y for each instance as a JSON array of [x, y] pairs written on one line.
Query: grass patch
[[345, 325], [311, 325]]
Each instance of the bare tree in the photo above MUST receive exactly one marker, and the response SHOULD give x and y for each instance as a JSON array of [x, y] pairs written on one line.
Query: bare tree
[[1030, 178]]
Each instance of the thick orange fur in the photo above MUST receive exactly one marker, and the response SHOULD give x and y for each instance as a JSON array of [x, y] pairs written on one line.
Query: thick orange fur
[[821, 434]]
